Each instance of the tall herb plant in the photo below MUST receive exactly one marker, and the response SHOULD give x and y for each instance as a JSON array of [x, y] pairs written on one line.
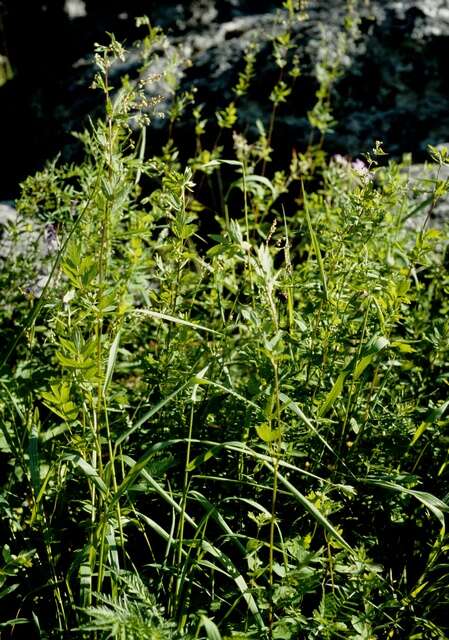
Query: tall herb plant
[[239, 436]]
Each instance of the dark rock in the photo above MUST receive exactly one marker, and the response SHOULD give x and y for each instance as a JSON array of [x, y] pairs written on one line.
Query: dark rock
[[423, 179], [397, 87], [27, 245]]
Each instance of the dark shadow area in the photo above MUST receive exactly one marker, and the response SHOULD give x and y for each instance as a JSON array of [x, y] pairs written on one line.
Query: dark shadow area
[[47, 97], [396, 89]]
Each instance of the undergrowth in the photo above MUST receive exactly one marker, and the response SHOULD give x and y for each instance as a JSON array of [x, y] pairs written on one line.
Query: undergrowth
[[228, 420]]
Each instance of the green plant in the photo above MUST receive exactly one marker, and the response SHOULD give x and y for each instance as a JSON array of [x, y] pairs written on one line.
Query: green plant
[[240, 436]]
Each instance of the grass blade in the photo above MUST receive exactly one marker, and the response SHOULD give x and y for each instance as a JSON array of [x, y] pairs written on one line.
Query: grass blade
[[315, 243]]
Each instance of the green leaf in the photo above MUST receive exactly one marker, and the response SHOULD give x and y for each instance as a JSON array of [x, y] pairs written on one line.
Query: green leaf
[[434, 504], [169, 318], [203, 457], [333, 394], [312, 509], [151, 412], [402, 346], [250, 183], [356, 367], [111, 361], [373, 347], [267, 434], [33, 452], [58, 401], [435, 414], [87, 469], [315, 243], [138, 468], [210, 628], [13, 621], [418, 433], [71, 363]]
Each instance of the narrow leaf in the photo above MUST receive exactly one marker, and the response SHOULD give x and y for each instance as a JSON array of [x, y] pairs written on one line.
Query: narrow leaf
[[333, 394], [312, 509], [169, 318], [111, 361], [88, 471], [210, 628], [315, 243], [434, 504]]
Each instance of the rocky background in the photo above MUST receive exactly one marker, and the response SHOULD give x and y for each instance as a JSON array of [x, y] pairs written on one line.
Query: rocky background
[[395, 85]]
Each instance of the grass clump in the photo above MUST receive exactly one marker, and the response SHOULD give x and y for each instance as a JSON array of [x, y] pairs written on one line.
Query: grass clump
[[232, 435]]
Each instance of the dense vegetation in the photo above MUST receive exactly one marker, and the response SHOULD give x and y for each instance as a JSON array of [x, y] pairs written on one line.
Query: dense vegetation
[[224, 383]]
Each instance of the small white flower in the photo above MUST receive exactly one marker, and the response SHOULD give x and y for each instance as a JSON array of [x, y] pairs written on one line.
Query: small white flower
[[69, 296]]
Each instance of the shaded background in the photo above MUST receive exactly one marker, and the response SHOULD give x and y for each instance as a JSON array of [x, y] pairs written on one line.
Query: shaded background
[[395, 87]]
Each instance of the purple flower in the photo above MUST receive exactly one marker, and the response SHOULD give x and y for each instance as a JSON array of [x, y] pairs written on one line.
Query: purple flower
[[357, 166], [51, 238], [362, 170], [339, 159]]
